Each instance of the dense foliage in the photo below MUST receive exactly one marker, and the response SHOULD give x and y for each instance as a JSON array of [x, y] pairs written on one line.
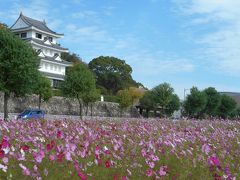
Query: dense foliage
[[43, 89], [210, 103], [196, 101], [162, 99], [79, 83], [226, 106], [124, 149], [112, 74], [18, 67], [74, 58], [213, 101]]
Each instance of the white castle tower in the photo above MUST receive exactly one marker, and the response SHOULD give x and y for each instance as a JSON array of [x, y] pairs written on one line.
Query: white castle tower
[[44, 41]]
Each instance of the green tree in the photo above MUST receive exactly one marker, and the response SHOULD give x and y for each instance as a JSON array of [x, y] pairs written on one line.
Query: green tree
[[173, 105], [74, 58], [147, 102], [195, 102], [213, 101], [135, 94], [43, 89], [163, 94], [18, 67], [227, 106], [125, 99], [3, 26], [112, 73], [79, 81], [90, 97]]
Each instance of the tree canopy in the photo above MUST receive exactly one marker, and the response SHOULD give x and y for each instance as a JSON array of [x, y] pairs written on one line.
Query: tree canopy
[[3, 26], [79, 82], [125, 99], [213, 101], [112, 73], [195, 102], [227, 106], [18, 67], [72, 57], [161, 98], [43, 89]]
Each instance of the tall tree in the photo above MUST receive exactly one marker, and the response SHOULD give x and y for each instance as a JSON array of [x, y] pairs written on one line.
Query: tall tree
[[163, 95], [213, 101], [227, 106], [112, 73], [173, 105], [79, 81], [135, 93], [74, 58], [147, 102], [195, 102], [18, 67], [90, 97], [125, 99], [43, 89]]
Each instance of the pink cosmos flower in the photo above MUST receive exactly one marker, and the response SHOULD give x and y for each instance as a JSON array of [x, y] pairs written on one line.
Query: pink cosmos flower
[[213, 161], [5, 160], [25, 169], [1, 153], [60, 156], [25, 148], [151, 164], [59, 135], [154, 158], [162, 171], [149, 172], [81, 175], [50, 146], [206, 149], [68, 156], [39, 156], [107, 164], [124, 178], [144, 152], [5, 143], [115, 177], [97, 152], [52, 157]]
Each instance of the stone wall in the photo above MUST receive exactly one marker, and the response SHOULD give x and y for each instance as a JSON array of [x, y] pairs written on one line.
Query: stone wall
[[62, 106]]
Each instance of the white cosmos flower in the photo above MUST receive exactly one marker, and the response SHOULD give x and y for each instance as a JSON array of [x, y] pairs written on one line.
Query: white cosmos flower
[[4, 168]]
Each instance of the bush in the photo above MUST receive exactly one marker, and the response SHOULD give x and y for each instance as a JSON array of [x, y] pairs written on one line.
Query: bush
[[109, 98], [57, 92]]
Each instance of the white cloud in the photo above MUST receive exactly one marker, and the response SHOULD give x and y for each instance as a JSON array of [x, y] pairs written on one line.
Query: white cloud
[[221, 42], [84, 14], [88, 34], [154, 64], [36, 9]]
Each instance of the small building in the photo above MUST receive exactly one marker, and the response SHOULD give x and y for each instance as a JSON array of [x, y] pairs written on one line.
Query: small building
[[44, 41]]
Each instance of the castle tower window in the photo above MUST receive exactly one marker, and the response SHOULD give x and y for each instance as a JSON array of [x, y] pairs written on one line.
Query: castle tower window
[[50, 39], [23, 35], [39, 36]]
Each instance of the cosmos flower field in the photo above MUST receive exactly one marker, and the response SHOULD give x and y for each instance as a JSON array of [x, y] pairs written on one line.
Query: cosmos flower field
[[123, 149]]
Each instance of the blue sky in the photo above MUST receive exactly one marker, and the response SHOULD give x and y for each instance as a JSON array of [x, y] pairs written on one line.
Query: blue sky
[[183, 42]]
